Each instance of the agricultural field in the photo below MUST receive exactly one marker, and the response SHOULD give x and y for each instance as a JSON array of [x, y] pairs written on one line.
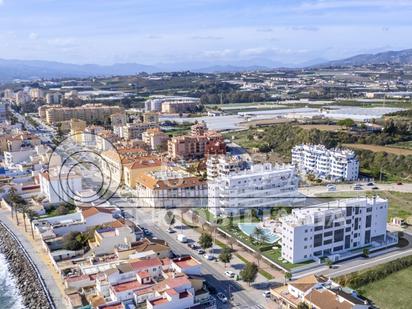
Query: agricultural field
[[403, 145], [376, 148], [392, 292]]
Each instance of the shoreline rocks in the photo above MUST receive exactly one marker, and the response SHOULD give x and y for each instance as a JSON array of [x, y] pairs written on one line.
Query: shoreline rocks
[[27, 282]]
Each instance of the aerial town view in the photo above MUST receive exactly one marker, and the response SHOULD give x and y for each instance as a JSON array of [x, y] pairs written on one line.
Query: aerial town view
[[204, 154]]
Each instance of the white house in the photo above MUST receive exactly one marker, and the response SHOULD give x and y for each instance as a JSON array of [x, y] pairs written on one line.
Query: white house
[[59, 188], [261, 186], [339, 164], [334, 229]]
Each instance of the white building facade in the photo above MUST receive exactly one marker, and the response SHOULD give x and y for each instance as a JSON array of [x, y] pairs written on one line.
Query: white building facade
[[333, 229], [261, 186], [338, 164]]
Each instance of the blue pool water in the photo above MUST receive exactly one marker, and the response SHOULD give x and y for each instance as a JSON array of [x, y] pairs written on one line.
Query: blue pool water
[[248, 229]]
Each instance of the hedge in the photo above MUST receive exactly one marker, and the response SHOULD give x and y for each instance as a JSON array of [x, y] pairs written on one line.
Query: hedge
[[359, 279]]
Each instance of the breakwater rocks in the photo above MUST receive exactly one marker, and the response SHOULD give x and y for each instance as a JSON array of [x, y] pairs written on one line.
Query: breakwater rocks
[[27, 282]]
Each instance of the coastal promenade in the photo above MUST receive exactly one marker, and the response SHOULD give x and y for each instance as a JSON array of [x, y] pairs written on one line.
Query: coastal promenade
[[49, 275]]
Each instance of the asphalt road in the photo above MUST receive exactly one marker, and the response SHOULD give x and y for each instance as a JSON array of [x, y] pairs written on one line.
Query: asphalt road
[[215, 278]]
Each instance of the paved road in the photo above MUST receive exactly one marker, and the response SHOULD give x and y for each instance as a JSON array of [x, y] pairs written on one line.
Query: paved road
[[213, 276], [36, 257], [314, 190]]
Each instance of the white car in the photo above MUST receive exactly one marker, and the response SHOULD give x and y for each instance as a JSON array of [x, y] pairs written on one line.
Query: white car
[[221, 297], [209, 257], [230, 274], [266, 294]]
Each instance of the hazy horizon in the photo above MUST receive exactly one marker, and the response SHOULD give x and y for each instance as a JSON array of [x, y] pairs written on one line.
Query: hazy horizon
[[203, 32]]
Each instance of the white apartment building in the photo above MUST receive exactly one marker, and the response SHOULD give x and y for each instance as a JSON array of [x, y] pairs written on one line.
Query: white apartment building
[[224, 165], [261, 186], [59, 188], [333, 229], [339, 164]]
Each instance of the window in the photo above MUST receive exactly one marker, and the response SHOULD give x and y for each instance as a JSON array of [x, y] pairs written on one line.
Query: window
[[318, 228], [368, 236], [338, 235], [347, 241], [317, 240], [327, 234], [327, 242], [368, 221], [338, 248], [348, 211]]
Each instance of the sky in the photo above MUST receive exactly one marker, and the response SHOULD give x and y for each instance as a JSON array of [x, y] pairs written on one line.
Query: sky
[[289, 32]]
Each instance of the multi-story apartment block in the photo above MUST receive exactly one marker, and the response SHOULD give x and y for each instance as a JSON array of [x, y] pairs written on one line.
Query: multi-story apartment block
[[54, 98], [333, 229], [261, 186], [170, 188], [172, 104], [224, 165], [155, 138], [136, 129], [198, 144], [339, 164], [90, 113]]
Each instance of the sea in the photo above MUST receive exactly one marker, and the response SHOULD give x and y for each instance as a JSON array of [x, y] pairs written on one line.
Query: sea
[[9, 294]]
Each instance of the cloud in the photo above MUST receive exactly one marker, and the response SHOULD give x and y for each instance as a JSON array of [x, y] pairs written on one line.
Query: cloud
[[62, 42], [305, 28], [206, 37], [33, 35]]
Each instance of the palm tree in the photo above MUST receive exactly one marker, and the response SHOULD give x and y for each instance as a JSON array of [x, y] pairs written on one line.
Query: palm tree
[[258, 233], [288, 276], [366, 252], [231, 241], [31, 214], [258, 257]]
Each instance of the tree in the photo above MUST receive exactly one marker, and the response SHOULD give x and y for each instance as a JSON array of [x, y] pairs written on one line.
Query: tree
[[329, 263], [249, 273], [365, 252], [225, 255], [170, 218], [288, 276], [302, 305], [231, 241], [348, 122], [74, 241], [62, 210], [16, 202], [205, 240], [31, 215], [258, 257]]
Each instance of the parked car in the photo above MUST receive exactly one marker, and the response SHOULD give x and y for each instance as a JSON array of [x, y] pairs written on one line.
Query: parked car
[[370, 184], [209, 257], [230, 274], [331, 187], [201, 251], [357, 187], [375, 188], [266, 294], [182, 238], [222, 297], [170, 230], [399, 183]]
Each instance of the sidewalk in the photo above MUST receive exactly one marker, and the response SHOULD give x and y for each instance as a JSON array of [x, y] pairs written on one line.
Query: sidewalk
[[35, 250]]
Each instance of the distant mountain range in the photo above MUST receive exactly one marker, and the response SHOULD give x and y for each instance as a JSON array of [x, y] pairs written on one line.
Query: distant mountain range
[[388, 57], [34, 69]]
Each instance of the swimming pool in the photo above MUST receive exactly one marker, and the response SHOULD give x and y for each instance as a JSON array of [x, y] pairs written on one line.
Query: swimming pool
[[248, 228]]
